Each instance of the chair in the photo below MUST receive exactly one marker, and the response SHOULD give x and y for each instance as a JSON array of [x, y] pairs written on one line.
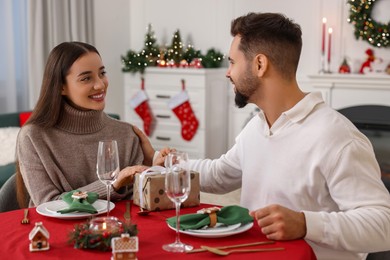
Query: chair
[[16, 120], [8, 199]]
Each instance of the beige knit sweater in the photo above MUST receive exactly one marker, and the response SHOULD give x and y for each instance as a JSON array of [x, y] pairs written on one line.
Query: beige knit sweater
[[63, 158]]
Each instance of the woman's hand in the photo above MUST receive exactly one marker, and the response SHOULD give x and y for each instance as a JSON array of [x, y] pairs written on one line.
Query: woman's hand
[[126, 176], [147, 147]]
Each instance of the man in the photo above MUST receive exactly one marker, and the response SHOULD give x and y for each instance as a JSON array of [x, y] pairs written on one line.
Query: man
[[304, 169]]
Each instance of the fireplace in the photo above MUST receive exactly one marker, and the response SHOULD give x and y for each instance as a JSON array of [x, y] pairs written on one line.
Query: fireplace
[[374, 122]]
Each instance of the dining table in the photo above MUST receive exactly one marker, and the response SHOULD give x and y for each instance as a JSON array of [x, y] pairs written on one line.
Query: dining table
[[153, 232]]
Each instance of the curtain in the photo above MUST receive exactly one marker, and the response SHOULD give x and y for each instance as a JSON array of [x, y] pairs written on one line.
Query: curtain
[[13, 56], [50, 23], [29, 29]]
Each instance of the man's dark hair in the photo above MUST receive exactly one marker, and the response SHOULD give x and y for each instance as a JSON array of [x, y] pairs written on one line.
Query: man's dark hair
[[271, 34]]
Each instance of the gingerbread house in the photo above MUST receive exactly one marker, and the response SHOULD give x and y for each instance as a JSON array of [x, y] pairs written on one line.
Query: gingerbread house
[[39, 238], [124, 247]]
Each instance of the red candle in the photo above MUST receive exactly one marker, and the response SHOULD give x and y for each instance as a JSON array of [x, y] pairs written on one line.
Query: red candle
[[329, 43], [323, 35]]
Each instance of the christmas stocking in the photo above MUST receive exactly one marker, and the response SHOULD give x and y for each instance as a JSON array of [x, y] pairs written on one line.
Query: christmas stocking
[[180, 105], [141, 106]]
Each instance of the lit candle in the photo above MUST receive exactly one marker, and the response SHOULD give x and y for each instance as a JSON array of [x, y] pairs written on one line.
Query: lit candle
[[329, 43], [323, 35]]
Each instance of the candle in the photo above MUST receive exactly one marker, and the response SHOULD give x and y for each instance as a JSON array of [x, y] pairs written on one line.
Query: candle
[[329, 43], [323, 35]]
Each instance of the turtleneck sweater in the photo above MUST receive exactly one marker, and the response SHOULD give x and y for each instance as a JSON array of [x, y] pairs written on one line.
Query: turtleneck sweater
[[56, 160]]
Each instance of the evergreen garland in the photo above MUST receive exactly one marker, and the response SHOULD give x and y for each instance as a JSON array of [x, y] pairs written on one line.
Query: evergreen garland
[[83, 238], [366, 28], [152, 55], [212, 59]]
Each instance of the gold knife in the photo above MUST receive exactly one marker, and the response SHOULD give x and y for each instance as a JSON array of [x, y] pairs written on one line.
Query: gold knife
[[232, 246]]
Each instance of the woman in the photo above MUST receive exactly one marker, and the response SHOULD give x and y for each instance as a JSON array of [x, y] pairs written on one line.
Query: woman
[[57, 147]]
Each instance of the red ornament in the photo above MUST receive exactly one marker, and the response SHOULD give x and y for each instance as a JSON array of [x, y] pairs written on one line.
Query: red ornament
[[196, 63], [344, 67], [366, 66]]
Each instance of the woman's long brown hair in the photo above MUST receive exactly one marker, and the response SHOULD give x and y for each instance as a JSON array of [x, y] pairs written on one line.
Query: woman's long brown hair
[[49, 107]]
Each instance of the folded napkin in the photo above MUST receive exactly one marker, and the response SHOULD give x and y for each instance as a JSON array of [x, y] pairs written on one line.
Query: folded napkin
[[79, 201], [228, 215]]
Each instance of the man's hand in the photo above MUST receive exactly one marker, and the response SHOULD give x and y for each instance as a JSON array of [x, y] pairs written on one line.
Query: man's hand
[[280, 223], [147, 147], [160, 158]]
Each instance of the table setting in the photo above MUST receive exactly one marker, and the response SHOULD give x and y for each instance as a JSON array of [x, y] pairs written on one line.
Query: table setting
[[80, 224]]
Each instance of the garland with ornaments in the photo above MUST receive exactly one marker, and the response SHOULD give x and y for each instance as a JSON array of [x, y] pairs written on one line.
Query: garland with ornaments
[[366, 28], [175, 55]]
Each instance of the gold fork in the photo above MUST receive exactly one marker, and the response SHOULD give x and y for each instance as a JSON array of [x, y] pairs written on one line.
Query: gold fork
[[127, 214], [25, 219]]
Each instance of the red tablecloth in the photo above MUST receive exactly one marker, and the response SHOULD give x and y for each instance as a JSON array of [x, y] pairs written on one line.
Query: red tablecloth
[[153, 233]]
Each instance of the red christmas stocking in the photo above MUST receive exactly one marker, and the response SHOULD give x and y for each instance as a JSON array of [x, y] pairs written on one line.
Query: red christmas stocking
[[180, 105], [141, 106]]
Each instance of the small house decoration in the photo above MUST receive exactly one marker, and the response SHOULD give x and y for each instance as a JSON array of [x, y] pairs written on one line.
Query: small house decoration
[[124, 247], [39, 238]]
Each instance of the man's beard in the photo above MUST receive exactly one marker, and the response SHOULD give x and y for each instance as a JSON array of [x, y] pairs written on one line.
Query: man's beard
[[251, 85], [240, 99]]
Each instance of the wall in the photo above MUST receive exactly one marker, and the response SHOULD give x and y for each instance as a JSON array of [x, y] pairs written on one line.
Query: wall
[[121, 25], [112, 31]]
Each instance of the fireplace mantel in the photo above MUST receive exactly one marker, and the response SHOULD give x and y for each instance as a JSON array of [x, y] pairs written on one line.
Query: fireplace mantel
[[345, 90]]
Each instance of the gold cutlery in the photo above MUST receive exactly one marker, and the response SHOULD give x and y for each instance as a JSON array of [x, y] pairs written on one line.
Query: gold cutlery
[[221, 252], [127, 214], [202, 249], [25, 219]]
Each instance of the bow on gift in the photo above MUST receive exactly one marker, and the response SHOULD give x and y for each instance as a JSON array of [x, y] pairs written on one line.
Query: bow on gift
[[154, 170], [228, 215], [79, 201]]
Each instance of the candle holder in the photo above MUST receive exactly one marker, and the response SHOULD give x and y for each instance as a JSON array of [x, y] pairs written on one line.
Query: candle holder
[[328, 71], [102, 225], [97, 233], [322, 70]]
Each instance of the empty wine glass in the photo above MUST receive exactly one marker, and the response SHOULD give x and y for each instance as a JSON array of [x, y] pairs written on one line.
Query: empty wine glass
[[177, 188], [107, 166]]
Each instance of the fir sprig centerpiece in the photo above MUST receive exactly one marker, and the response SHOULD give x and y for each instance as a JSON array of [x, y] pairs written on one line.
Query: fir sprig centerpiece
[[85, 237]]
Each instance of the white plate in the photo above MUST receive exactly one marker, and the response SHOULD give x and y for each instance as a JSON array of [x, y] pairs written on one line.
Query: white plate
[[217, 229], [49, 209], [211, 234]]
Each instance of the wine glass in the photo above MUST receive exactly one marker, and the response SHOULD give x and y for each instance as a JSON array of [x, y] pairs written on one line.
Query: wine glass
[[107, 166], [177, 188]]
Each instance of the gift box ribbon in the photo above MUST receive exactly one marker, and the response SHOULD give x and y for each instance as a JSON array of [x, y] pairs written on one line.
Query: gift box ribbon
[[154, 170], [79, 204], [228, 215]]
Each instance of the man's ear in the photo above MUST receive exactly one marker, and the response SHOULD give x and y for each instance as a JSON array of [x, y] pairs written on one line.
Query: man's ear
[[262, 64]]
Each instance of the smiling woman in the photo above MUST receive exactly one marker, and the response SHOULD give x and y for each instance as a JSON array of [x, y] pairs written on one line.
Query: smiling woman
[[86, 83], [57, 146]]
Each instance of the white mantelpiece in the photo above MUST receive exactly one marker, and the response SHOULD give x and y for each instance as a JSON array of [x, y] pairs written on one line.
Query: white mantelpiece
[[345, 90]]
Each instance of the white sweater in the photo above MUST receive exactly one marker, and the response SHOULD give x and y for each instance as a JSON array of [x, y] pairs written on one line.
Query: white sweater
[[312, 160]]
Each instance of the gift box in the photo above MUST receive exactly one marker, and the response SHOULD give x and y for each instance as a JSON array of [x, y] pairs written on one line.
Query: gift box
[[153, 194]]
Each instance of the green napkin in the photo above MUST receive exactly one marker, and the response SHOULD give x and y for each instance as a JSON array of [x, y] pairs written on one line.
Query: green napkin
[[228, 215], [79, 205]]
